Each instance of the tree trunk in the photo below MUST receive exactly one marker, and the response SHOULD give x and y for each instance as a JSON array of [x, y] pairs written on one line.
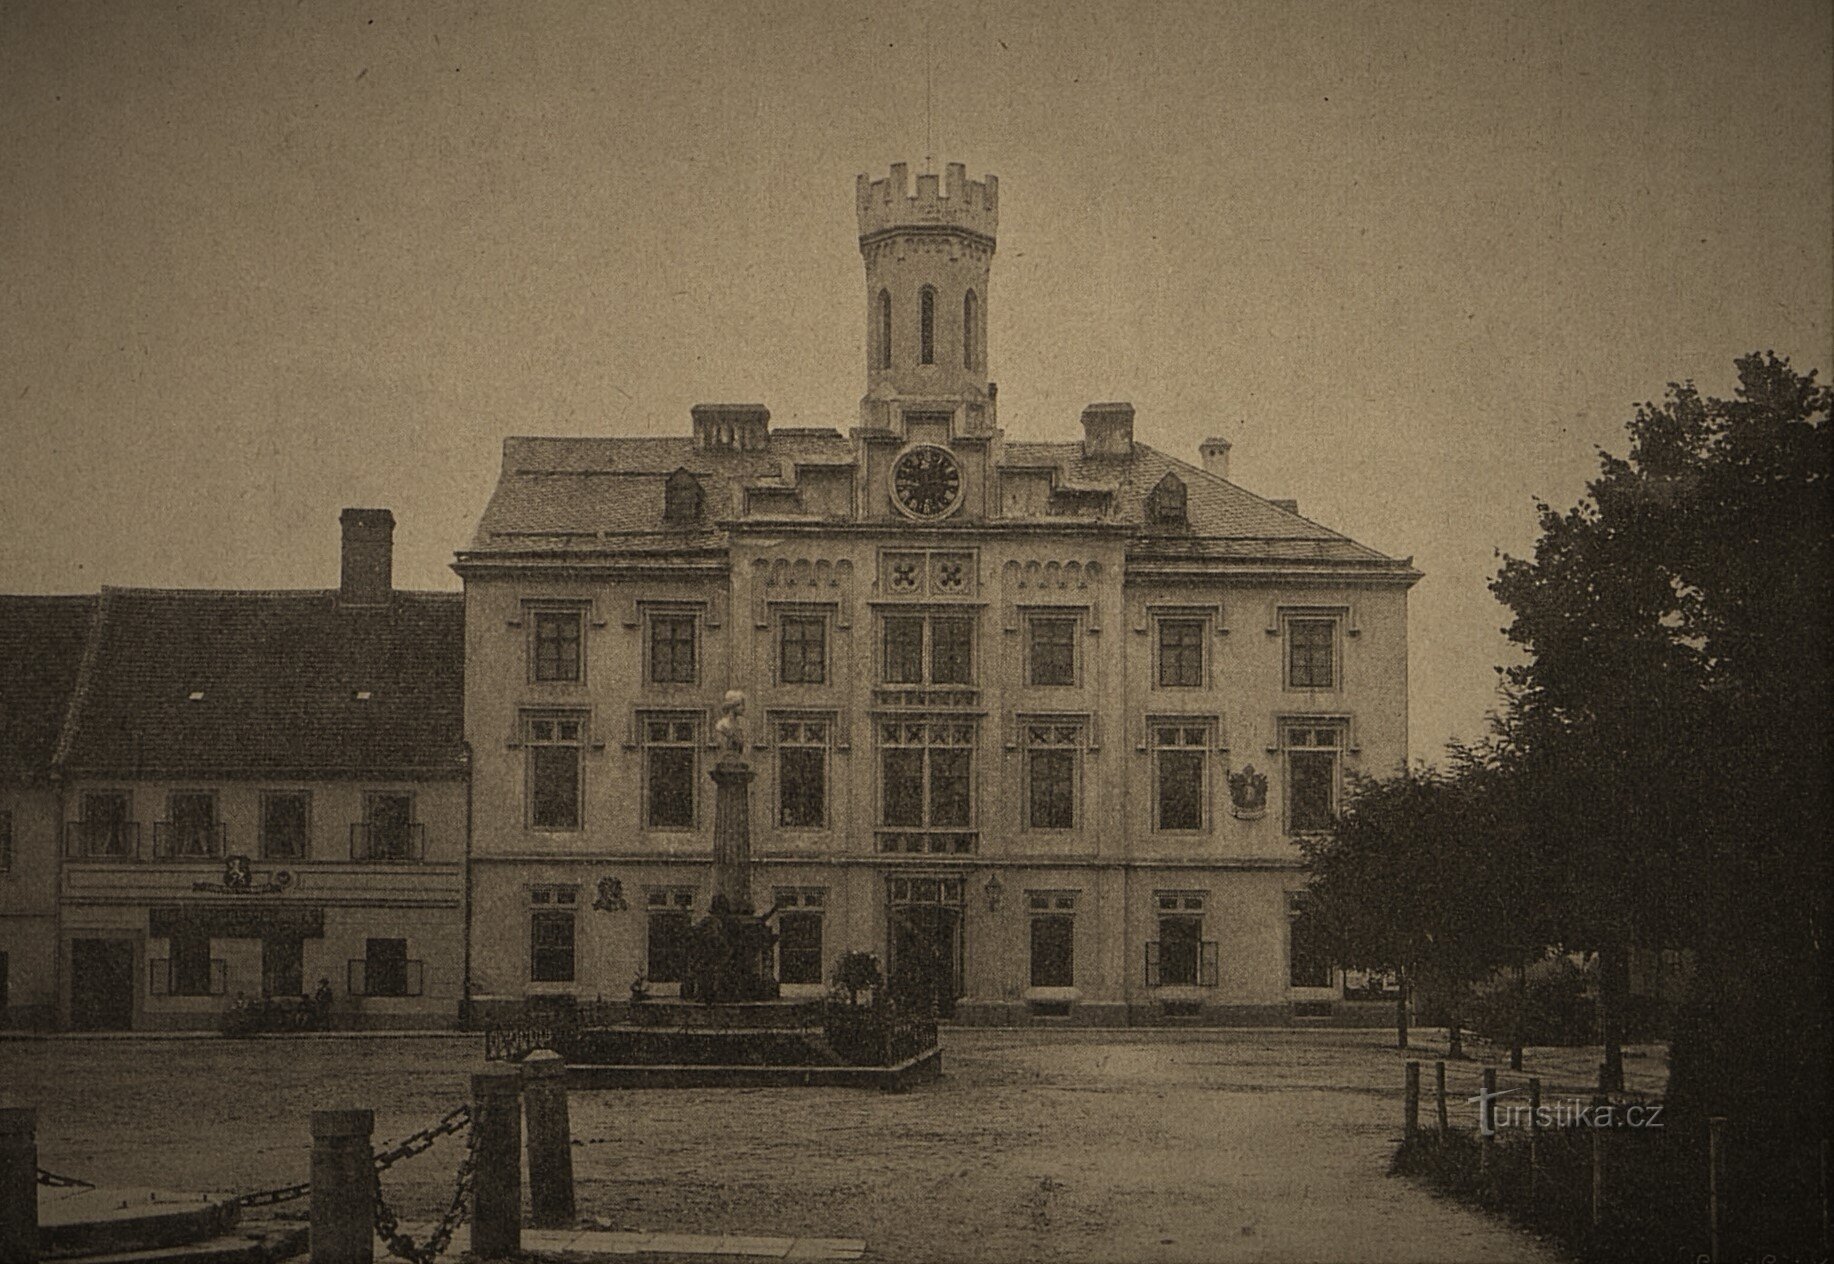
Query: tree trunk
[[1401, 1010], [1521, 1017], [1455, 1035]]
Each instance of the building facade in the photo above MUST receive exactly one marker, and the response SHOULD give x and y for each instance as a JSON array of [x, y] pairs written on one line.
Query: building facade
[[263, 794], [1039, 724]]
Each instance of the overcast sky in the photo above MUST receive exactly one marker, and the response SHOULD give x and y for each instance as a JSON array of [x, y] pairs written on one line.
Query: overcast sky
[[259, 261]]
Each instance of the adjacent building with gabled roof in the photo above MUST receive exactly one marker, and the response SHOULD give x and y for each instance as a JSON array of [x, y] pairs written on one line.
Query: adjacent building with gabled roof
[[42, 641], [1039, 724], [263, 796]]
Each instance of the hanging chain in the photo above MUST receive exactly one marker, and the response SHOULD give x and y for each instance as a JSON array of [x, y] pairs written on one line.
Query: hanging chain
[[388, 1225], [420, 1142]]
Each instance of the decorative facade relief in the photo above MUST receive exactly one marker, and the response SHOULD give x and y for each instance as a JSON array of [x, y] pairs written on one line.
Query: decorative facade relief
[[942, 573], [801, 579], [1039, 582]]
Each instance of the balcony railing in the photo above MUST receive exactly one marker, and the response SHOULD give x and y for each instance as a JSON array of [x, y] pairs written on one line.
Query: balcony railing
[[162, 980], [408, 978], [928, 842], [373, 840], [186, 840], [102, 840], [926, 696], [1181, 967]]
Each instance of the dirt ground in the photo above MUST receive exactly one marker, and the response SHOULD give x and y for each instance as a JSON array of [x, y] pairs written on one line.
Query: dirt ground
[[1139, 1145]]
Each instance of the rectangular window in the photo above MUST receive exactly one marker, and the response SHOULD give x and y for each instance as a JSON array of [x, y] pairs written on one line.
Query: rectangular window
[[555, 745], [6, 840], [1052, 750], [799, 934], [802, 774], [1311, 653], [1311, 775], [551, 925], [942, 644], [388, 820], [3, 994], [385, 967], [672, 657], [1181, 653], [190, 963], [668, 771], [927, 768], [191, 825], [671, 918], [284, 824], [557, 644], [1178, 771], [1053, 938], [106, 827], [1308, 957], [802, 649], [1053, 651], [1180, 957]]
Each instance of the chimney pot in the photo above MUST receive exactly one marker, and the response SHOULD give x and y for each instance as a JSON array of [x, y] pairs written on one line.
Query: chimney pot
[[731, 427], [367, 577], [1215, 454], [1108, 430]]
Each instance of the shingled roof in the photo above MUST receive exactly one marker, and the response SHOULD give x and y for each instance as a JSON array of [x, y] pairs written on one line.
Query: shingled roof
[[206, 683], [41, 651], [599, 494]]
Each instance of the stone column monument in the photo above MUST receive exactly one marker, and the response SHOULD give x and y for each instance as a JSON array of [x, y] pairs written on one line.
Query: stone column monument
[[732, 775], [730, 957]]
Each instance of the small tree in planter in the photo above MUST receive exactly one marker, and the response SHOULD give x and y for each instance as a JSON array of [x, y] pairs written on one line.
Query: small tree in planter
[[857, 972]]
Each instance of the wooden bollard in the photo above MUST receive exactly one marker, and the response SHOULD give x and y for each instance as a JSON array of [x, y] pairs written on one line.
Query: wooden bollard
[[18, 1184], [1411, 1109], [1715, 1157], [1486, 1120], [1534, 1138], [1439, 1091], [343, 1187], [1598, 1174], [550, 1140], [496, 1181]]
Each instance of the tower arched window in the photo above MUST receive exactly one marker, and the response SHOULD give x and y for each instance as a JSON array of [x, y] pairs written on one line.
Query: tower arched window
[[926, 327], [885, 329], [971, 322]]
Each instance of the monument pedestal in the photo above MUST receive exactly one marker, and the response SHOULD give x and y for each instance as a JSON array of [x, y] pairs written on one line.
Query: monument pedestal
[[729, 958]]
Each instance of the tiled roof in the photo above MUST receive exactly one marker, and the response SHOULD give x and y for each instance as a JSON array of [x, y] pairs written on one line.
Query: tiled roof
[[607, 493], [41, 650], [201, 682]]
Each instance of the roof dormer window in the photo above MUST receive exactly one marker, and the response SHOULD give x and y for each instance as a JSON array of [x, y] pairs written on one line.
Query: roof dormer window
[[1165, 504], [683, 499]]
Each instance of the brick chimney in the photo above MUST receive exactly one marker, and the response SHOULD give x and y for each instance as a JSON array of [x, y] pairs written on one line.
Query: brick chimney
[[1108, 430], [368, 574], [731, 427], [1215, 454]]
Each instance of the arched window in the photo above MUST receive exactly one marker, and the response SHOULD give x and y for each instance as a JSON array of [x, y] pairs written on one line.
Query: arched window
[[926, 328], [971, 321], [885, 329]]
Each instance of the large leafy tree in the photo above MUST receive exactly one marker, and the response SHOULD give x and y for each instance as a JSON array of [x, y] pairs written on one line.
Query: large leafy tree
[[1670, 726]]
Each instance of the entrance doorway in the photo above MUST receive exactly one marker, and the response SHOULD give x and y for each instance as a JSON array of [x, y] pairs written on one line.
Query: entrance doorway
[[283, 966], [102, 984], [925, 934]]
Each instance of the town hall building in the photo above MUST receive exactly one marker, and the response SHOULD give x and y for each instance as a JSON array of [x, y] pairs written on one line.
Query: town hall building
[[1040, 724]]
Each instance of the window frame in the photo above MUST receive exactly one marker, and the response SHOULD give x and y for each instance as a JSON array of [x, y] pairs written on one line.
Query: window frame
[[1202, 621], [369, 962], [305, 840], [671, 905], [785, 617], [927, 779], [6, 847], [534, 613], [553, 904], [971, 320], [1036, 618], [1054, 907], [782, 742], [1298, 908], [1290, 616], [927, 619], [215, 827], [1159, 748], [128, 824], [693, 617], [926, 325], [532, 742], [647, 744], [884, 324], [1288, 748], [373, 796], [1068, 736], [806, 905]]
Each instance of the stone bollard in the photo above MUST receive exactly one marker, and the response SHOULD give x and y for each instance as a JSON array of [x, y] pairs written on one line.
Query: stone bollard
[[1534, 1138], [496, 1181], [1439, 1092], [343, 1187], [1487, 1120], [550, 1144], [18, 1184]]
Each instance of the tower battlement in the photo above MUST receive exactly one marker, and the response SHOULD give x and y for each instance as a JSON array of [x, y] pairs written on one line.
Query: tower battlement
[[949, 201]]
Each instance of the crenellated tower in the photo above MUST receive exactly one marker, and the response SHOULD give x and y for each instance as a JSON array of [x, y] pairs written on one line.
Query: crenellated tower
[[928, 256]]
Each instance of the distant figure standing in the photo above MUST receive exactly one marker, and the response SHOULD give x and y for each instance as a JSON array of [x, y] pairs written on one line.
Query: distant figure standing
[[321, 1004]]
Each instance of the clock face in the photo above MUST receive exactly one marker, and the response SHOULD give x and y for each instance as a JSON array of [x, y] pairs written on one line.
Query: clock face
[[927, 482]]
